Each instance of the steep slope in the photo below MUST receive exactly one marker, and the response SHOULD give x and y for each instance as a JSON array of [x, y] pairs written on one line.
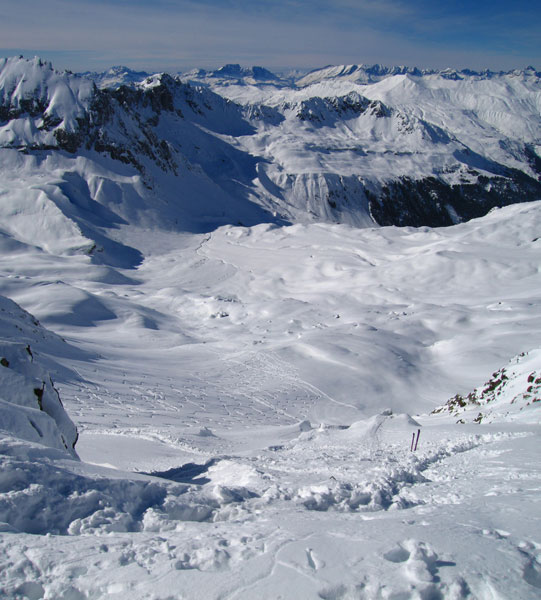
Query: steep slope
[[512, 393], [30, 406]]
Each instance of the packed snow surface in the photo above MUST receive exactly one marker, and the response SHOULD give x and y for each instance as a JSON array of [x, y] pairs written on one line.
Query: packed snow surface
[[248, 399]]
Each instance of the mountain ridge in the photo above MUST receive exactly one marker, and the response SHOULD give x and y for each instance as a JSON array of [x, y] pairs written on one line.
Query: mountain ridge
[[363, 73]]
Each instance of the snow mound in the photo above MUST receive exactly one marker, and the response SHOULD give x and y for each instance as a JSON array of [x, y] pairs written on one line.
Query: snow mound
[[513, 393]]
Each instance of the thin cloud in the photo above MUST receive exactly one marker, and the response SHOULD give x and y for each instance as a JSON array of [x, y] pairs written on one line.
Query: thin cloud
[[174, 35]]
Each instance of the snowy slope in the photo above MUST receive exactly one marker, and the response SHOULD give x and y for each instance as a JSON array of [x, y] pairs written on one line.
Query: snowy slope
[[31, 408], [510, 394], [249, 368], [271, 505]]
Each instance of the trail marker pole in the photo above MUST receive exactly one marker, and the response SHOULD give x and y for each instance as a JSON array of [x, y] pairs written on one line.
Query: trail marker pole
[[412, 441], [417, 440]]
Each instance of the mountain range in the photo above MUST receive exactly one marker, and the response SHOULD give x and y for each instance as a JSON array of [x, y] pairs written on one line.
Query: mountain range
[[414, 148]]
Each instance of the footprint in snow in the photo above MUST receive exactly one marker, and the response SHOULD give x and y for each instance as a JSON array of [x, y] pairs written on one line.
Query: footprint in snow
[[397, 555], [531, 572], [420, 566], [313, 561]]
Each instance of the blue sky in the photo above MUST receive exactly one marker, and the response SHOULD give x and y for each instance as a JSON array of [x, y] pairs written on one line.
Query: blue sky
[[179, 34]]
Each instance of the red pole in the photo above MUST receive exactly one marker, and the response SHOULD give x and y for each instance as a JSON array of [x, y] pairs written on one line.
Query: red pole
[[417, 440]]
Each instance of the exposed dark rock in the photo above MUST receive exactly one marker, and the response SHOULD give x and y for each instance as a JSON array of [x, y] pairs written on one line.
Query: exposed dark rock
[[432, 202]]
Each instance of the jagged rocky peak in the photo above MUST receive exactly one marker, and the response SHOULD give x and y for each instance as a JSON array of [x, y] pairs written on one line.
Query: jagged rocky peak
[[42, 108], [32, 87]]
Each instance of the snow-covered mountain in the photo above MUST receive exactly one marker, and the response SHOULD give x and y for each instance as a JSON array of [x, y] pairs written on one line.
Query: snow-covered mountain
[[235, 74], [408, 150]]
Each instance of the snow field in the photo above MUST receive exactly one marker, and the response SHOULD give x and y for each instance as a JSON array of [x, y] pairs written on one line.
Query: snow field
[[249, 367], [270, 527]]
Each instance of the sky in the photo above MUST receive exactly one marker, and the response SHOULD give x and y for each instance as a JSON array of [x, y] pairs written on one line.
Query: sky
[[176, 35]]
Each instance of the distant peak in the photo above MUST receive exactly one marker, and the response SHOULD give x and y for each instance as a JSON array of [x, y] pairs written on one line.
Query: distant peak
[[262, 73], [230, 69], [119, 69], [235, 71]]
